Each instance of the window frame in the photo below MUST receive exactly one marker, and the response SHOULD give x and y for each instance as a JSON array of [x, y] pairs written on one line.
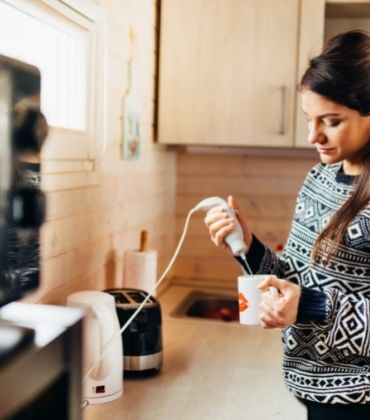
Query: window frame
[[66, 143]]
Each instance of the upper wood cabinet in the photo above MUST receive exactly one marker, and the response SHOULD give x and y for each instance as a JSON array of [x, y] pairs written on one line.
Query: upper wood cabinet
[[227, 72]]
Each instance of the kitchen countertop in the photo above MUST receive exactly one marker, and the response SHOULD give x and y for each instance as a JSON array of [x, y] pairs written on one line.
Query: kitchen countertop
[[211, 370]]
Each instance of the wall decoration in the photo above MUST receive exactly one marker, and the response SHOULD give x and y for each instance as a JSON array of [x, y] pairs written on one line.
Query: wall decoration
[[131, 111]]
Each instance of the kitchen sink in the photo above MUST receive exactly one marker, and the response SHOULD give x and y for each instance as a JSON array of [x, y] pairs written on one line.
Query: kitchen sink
[[209, 305]]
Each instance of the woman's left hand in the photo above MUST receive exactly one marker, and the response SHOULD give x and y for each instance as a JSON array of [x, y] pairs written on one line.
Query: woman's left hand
[[279, 310]]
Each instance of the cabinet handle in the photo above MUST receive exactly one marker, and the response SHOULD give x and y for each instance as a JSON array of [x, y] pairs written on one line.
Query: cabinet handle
[[283, 93]]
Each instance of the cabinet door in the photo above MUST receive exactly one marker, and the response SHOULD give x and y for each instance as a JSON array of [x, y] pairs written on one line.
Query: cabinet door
[[228, 72], [310, 44], [320, 20]]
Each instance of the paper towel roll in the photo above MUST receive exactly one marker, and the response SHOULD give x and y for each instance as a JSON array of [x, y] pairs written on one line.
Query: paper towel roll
[[140, 269]]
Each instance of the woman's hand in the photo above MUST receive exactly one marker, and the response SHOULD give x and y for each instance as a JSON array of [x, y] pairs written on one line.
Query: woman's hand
[[279, 310], [220, 224]]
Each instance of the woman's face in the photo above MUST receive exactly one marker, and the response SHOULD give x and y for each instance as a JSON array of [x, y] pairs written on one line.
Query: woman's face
[[339, 133]]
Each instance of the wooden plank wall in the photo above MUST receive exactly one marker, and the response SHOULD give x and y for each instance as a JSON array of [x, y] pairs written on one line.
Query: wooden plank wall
[[97, 208], [265, 186]]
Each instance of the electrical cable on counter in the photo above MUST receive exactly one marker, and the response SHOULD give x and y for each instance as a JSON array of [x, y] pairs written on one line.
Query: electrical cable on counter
[[128, 322], [245, 266]]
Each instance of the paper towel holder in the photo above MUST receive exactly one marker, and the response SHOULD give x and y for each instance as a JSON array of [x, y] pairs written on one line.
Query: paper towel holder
[[143, 241]]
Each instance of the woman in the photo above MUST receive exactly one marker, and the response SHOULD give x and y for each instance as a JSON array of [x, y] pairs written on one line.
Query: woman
[[323, 273]]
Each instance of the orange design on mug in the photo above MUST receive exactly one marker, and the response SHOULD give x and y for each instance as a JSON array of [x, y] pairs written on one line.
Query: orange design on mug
[[243, 303]]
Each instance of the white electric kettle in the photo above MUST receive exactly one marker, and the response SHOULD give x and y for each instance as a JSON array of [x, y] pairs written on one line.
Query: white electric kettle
[[104, 383]]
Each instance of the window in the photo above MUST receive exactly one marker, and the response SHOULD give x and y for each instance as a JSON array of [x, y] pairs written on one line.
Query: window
[[65, 40]]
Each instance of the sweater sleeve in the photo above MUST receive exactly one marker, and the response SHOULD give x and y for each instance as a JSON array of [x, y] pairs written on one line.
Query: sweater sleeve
[[341, 319], [262, 260], [312, 306]]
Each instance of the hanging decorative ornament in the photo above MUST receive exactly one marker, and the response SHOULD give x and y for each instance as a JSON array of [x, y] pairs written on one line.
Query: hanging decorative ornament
[[131, 111]]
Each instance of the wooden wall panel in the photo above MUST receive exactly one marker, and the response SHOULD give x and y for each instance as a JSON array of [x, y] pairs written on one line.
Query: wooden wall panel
[[97, 208], [265, 187]]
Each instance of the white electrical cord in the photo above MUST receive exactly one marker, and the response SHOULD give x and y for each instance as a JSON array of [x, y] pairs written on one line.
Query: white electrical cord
[[128, 322]]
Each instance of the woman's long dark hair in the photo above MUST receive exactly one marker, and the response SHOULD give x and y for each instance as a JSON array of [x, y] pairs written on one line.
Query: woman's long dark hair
[[341, 73]]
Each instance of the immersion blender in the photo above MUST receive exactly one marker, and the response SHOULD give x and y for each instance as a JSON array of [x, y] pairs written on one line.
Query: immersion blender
[[235, 239]]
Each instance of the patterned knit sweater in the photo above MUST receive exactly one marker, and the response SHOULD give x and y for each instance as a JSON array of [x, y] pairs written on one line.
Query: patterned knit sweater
[[327, 351]]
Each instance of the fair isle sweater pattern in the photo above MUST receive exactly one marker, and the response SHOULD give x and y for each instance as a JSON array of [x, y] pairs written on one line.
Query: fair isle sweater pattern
[[327, 351]]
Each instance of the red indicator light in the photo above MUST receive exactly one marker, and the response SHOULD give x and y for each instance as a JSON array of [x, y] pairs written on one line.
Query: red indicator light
[[100, 389]]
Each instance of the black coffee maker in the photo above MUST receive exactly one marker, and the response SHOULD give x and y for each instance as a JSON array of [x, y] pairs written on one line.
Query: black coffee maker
[[23, 129], [40, 345]]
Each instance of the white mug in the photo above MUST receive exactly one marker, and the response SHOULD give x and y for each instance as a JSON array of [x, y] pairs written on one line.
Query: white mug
[[250, 297]]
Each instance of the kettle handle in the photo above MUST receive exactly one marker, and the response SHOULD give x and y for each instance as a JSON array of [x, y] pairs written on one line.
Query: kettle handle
[[107, 327]]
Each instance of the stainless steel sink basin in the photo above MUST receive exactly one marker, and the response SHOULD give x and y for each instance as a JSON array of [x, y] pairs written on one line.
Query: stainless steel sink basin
[[209, 305]]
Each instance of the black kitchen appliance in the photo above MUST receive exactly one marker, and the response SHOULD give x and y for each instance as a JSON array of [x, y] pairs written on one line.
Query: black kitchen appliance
[[23, 129], [40, 345], [142, 340]]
